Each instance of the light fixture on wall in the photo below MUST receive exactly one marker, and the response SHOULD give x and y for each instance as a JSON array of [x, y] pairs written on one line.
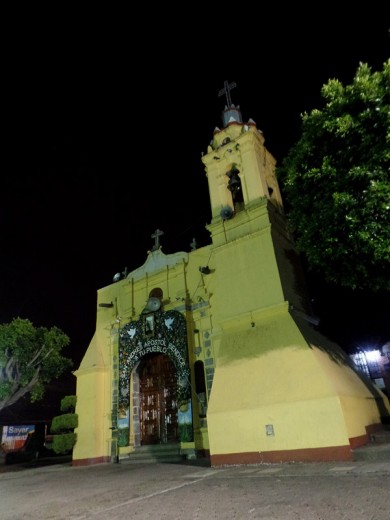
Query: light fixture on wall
[[120, 276], [226, 213]]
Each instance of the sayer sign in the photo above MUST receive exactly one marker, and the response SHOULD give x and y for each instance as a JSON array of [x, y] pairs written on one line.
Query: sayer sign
[[14, 437]]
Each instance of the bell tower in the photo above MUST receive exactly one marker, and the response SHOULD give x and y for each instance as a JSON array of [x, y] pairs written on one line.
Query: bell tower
[[247, 211], [281, 391], [240, 170]]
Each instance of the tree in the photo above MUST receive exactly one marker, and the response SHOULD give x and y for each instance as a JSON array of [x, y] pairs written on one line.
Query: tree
[[336, 182], [30, 357]]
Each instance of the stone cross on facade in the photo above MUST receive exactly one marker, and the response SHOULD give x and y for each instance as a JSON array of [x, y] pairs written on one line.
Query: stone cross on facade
[[226, 90], [156, 235]]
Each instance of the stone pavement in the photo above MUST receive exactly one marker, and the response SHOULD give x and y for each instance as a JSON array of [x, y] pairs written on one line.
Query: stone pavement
[[358, 490]]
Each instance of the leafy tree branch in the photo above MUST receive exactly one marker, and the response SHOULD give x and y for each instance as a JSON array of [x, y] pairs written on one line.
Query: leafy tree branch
[[30, 357], [336, 182]]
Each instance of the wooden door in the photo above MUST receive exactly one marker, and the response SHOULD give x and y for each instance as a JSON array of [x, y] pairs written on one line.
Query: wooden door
[[158, 407]]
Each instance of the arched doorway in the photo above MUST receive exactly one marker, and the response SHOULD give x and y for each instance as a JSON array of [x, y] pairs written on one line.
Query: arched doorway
[[158, 401]]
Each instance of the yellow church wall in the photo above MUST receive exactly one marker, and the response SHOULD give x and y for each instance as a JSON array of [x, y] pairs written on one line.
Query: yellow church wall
[[342, 377], [184, 289], [245, 430], [180, 284], [270, 355], [270, 375], [93, 431], [253, 219], [250, 267], [254, 159], [94, 397], [130, 295], [289, 264], [267, 372], [363, 403], [93, 357], [362, 416], [357, 396]]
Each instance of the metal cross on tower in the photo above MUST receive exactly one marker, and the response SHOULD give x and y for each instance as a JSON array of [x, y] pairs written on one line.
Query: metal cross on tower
[[156, 235], [226, 90]]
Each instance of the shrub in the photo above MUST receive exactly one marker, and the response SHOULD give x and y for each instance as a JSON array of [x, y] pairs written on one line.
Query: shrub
[[64, 423], [64, 443]]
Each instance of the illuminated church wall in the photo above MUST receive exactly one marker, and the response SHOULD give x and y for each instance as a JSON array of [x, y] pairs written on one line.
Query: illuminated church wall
[[234, 314]]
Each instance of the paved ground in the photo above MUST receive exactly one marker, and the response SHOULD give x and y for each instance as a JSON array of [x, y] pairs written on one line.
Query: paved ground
[[316, 491]]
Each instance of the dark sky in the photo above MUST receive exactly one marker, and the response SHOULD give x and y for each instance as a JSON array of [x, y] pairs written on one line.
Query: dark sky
[[103, 140]]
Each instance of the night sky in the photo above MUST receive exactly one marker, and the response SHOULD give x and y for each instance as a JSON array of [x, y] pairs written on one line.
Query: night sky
[[103, 143]]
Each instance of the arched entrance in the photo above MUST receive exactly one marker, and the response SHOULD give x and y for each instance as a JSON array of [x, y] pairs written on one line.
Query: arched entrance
[[158, 401]]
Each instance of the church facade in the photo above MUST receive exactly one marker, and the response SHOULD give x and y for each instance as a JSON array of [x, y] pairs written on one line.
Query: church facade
[[216, 350]]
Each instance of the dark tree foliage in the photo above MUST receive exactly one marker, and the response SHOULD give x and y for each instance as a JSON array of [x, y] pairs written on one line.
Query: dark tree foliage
[[30, 357], [336, 182]]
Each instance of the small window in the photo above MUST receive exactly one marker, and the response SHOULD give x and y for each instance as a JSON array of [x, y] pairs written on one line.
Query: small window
[[156, 293], [200, 387], [200, 381]]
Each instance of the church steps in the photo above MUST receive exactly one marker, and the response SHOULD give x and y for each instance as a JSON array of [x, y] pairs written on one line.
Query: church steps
[[168, 453]]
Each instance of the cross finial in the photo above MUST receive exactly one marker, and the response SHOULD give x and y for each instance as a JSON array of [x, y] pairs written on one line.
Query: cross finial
[[227, 87], [156, 235], [194, 244]]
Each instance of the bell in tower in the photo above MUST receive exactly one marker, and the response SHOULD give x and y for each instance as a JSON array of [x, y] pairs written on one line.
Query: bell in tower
[[235, 187]]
